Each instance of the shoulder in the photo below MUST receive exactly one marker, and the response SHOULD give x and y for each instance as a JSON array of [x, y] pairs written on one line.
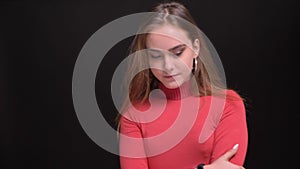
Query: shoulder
[[135, 110], [232, 95], [138, 106], [234, 103]]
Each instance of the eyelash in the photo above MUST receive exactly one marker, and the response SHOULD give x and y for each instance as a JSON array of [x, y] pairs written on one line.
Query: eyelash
[[158, 56], [155, 56], [179, 53]]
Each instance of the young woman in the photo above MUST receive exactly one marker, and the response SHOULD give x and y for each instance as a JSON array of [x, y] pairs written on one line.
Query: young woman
[[179, 113]]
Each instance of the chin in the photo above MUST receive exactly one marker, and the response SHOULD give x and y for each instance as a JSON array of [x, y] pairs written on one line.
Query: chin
[[171, 85]]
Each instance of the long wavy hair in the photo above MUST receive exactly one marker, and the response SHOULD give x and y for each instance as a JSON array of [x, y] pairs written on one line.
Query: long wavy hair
[[142, 83]]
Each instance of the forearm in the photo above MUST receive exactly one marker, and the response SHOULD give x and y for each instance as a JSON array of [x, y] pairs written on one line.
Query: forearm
[[223, 161]]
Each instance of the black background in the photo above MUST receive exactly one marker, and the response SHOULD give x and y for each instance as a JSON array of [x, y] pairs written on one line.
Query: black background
[[40, 42]]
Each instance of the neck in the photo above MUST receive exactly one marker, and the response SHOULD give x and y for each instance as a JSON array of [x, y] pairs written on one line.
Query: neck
[[180, 92]]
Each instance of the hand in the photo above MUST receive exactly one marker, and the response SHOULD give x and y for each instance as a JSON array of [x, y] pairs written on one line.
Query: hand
[[223, 161]]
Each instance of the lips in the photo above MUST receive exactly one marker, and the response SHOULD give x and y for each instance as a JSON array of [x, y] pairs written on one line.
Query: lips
[[170, 76]]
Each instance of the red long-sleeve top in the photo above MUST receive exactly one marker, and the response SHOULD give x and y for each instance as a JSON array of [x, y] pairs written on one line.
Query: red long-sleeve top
[[182, 130]]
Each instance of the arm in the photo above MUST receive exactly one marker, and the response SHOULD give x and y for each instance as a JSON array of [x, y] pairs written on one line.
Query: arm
[[223, 161], [134, 149], [231, 130]]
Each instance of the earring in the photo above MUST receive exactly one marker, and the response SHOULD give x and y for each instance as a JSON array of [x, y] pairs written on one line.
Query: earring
[[194, 65]]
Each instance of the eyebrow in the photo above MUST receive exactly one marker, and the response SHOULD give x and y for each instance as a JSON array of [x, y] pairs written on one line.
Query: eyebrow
[[170, 50]]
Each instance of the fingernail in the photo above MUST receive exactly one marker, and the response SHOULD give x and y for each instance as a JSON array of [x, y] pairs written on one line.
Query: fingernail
[[236, 146]]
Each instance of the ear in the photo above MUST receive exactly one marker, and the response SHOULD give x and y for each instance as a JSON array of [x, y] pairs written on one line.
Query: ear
[[196, 47]]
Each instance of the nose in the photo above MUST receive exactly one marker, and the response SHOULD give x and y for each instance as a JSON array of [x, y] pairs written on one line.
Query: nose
[[169, 63]]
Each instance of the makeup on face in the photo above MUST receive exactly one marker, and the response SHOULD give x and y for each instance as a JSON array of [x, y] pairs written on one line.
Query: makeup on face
[[174, 51], [170, 57]]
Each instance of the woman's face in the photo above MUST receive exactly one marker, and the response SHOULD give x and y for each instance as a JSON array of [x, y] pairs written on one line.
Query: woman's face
[[171, 55]]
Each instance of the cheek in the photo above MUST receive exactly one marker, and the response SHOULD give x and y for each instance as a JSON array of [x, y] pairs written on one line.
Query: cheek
[[155, 64], [187, 60], [156, 72]]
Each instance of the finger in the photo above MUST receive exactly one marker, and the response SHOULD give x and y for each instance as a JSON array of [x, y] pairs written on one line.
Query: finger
[[229, 154]]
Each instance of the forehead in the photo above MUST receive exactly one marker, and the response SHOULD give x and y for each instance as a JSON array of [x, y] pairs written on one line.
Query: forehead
[[166, 37]]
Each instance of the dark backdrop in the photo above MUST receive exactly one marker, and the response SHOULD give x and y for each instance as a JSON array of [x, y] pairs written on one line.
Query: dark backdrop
[[40, 42]]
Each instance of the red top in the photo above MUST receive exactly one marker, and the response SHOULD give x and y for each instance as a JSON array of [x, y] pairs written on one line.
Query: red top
[[183, 130]]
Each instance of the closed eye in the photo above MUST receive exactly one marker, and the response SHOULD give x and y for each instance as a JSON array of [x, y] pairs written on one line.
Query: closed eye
[[154, 54], [178, 51]]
